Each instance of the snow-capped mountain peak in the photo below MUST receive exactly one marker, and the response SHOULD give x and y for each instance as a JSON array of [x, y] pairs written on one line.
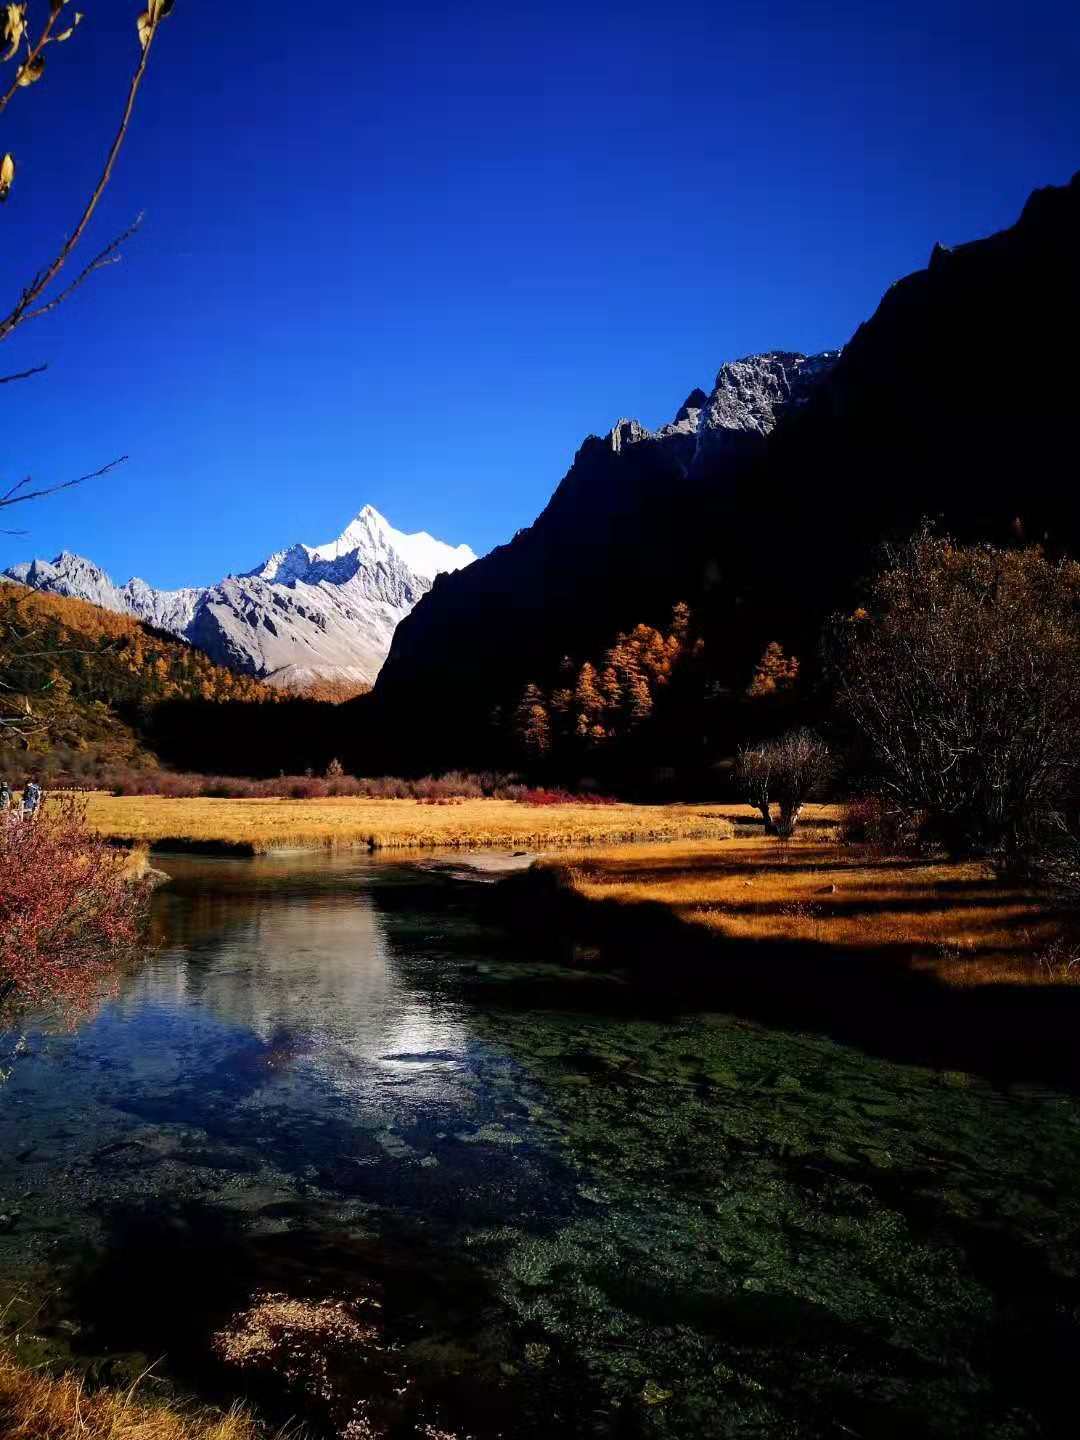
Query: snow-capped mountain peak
[[373, 534], [307, 612]]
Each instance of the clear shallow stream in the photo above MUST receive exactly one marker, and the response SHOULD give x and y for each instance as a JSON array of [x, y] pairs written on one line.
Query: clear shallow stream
[[581, 1217]]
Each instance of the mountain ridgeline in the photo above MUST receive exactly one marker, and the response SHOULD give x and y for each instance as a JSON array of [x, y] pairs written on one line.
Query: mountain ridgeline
[[760, 505], [307, 615], [669, 600]]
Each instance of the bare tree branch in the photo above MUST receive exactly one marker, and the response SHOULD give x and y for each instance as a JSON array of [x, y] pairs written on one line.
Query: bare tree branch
[[24, 308], [16, 487], [106, 257], [14, 498], [22, 374]]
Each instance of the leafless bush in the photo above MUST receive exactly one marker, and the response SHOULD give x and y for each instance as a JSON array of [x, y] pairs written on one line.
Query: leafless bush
[[1050, 857], [872, 821], [778, 778], [1060, 960]]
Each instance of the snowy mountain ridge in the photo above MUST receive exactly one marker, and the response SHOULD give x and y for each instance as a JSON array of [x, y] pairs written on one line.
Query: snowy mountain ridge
[[306, 613]]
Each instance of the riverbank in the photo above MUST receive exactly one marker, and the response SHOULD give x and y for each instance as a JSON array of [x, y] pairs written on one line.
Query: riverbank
[[954, 921], [932, 963], [257, 827]]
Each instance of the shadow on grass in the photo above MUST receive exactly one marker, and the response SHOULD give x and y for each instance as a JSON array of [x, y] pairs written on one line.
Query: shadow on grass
[[874, 997], [798, 862], [834, 909]]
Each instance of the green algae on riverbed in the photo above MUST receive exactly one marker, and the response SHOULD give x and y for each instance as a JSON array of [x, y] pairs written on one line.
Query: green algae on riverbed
[[790, 1238], [590, 1219]]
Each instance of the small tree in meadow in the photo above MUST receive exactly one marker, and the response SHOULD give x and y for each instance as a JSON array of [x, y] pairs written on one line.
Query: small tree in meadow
[[779, 777]]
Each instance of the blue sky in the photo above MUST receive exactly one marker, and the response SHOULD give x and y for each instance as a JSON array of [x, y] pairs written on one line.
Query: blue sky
[[412, 256]]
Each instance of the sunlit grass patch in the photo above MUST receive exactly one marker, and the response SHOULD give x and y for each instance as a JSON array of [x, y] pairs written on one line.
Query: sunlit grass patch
[[37, 1406], [955, 920], [262, 825]]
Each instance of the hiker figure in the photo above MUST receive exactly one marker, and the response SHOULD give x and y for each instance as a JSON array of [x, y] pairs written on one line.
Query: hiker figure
[[31, 800], [5, 797]]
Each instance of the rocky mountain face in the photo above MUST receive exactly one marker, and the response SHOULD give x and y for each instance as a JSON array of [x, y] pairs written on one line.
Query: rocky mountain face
[[761, 502], [308, 612], [619, 541]]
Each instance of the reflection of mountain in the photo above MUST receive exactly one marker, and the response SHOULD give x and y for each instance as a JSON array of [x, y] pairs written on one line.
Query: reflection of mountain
[[315, 967]]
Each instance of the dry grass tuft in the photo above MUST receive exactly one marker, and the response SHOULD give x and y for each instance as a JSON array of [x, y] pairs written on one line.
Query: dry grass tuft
[[332, 1357], [257, 826], [951, 919], [292, 1335], [36, 1406]]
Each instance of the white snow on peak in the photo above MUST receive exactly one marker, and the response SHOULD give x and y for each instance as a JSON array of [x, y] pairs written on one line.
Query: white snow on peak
[[305, 612], [373, 534]]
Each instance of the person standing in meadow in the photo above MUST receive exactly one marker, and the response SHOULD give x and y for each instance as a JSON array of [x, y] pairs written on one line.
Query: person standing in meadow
[[31, 800]]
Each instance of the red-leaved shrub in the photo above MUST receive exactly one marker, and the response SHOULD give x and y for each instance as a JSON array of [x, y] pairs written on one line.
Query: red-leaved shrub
[[68, 911], [562, 797]]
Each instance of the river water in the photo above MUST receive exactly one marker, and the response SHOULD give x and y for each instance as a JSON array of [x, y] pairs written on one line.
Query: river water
[[571, 1213]]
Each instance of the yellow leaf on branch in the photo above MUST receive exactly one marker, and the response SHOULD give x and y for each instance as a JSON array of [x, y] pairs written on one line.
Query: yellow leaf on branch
[[14, 28]]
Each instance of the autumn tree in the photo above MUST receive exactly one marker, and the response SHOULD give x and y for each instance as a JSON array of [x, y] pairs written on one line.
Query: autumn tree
[[962, 675], [774, 674], [588, 702], [680, 622], [600, 703], [532, 726], [62, 661]]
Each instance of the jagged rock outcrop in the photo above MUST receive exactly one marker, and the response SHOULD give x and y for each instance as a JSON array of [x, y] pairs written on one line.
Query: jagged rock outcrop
[[761, 502], [307, 613]]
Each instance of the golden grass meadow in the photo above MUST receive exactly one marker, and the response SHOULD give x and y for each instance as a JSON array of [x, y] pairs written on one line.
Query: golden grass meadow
[[953, 919], [709, 866], [259, 826]]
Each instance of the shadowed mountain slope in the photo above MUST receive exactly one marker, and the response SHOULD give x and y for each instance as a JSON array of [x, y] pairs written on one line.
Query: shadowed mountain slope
[[760, 503]]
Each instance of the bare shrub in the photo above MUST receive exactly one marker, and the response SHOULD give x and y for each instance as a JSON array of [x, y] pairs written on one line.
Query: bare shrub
[[778, 778], [871, 821], [1050, 858], [1060, 961]]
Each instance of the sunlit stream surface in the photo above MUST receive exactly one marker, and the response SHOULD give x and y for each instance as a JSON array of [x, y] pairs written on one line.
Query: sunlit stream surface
[[573, 1215]]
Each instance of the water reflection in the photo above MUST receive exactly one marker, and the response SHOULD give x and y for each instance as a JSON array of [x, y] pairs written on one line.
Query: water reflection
[[316, 982], [591, 1221]]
